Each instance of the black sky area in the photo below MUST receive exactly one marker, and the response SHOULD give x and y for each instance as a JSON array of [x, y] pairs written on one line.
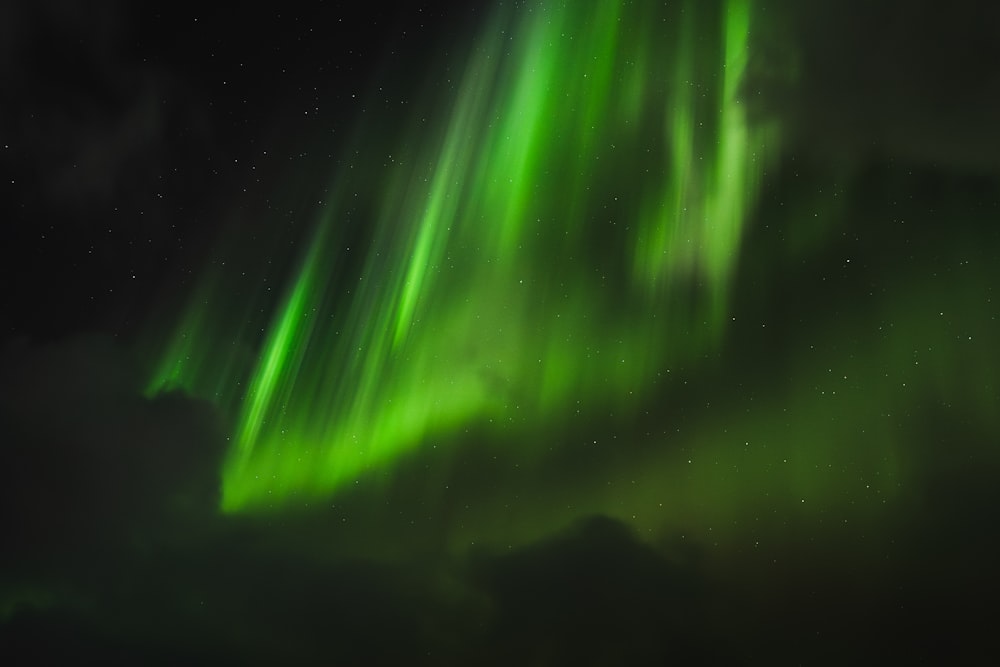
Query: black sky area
[[132, 135]]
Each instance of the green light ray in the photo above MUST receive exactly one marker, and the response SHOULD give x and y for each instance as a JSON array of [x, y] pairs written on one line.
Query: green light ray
[[536, 271]]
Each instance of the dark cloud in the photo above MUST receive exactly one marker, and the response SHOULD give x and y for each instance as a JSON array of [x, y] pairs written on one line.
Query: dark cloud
[[595, 596], [914, 82], [89, 464], [114, 546]]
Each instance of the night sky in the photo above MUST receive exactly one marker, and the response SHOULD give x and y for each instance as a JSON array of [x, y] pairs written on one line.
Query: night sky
[[538, 332]]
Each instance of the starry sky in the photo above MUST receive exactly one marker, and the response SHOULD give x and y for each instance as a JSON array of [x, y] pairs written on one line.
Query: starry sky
[[509, 332]]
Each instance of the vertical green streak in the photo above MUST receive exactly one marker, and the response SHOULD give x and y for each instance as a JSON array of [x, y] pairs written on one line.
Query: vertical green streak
[[284, 348], [731, 196], [442, 203], [695, 225]]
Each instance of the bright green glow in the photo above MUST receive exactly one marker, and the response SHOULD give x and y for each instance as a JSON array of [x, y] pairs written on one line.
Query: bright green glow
[[594, 174], [694, 225], [284, 349]]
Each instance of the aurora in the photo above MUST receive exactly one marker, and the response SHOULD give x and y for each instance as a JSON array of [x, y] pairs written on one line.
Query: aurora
[[484, 299]]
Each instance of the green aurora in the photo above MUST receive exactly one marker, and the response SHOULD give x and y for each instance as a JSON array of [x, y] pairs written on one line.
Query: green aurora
[[576, 279], [548, 249], [612, 332]]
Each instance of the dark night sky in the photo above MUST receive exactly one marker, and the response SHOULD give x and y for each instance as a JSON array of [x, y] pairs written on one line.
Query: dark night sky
[[141, 146], [131, 133]]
